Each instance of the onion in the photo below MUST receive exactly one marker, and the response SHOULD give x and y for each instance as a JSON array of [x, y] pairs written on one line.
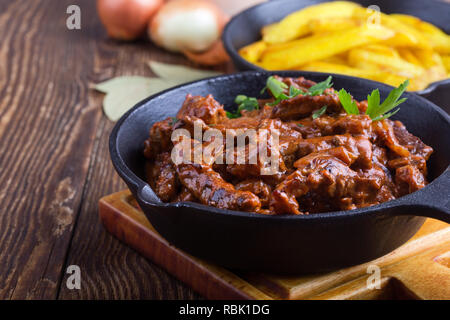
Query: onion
[[127, 19], [192, 25], [215, 55]]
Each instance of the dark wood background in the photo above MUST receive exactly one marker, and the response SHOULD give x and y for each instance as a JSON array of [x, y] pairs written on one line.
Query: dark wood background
[[54, 159]]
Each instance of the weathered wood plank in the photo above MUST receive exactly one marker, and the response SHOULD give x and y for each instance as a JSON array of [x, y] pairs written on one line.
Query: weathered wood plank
[[111, 270], [53, 135], [47, 128]]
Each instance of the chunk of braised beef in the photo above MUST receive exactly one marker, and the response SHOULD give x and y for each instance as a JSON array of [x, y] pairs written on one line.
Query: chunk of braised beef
[[414, 145], [209, 188], [257, 187], [303, 105], [205, 108], [329, 162], [160, 138], [163, 177]]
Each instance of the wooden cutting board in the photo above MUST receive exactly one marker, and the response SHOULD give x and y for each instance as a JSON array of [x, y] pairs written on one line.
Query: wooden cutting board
[[420, 269]]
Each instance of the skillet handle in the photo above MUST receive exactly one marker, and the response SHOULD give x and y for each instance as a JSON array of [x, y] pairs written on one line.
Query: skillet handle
[[146, 194], [432, 201]]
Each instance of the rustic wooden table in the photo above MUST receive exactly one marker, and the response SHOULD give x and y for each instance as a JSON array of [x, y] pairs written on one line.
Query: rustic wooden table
[[54, 158]]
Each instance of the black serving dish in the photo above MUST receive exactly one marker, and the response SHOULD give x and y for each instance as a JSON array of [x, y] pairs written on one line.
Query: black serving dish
[[285, 243], [245, 28]]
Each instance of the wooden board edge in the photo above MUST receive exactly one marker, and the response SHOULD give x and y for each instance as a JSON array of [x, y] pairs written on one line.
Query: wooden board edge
[[199, 278]]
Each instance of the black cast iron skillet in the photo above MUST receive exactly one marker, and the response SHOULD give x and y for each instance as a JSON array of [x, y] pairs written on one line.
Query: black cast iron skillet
[[284, 244], [245, 28]]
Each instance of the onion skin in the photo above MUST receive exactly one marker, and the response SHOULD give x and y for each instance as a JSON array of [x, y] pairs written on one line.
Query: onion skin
[[213, 56], [127, 19], [192, 25]]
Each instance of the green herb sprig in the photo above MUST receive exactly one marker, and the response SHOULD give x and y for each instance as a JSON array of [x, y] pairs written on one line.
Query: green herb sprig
[[320, 87], [316, 114], [347, 102], [173, 121], [244, 103], [375, 110], [277, 88]]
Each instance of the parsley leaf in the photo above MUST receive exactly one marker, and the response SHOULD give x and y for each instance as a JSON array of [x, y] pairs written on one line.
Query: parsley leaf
[[377, 111], [173, 121], [319, 112], [293, 92], [233, 115], [278, 100], [320, 87], [276, 87], [386, 115], [373, 101], [347, 102], [244, 103]]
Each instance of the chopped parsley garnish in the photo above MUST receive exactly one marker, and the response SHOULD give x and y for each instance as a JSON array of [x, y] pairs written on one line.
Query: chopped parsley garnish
[[232, 115], [173, 121], [244, 103], [276, 87], [347, 102], [319, 112], [281, 91], [375, 110], [320, 87], [300, 125], [378, 111], [293, 91]]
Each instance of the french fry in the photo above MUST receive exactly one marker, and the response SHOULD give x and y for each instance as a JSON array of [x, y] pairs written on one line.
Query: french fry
[[323, 66], [268, 29], [434, 66], [302, 51], [407, 55], [344, 37], [405, 35], [429, 58], [336, 59], [446, 62], [394, 80], [366, 59], [382, 49], [323, 25], [253, 51], [436, 37], [296, 24], [418, 24], [415, 84]]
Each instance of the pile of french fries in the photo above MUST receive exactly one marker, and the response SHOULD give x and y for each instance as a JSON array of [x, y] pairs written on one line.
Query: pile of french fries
[[346, 38]]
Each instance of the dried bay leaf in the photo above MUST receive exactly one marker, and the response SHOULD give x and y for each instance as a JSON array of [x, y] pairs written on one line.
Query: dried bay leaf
[[116, 83], [122, 93], [179, 72]]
